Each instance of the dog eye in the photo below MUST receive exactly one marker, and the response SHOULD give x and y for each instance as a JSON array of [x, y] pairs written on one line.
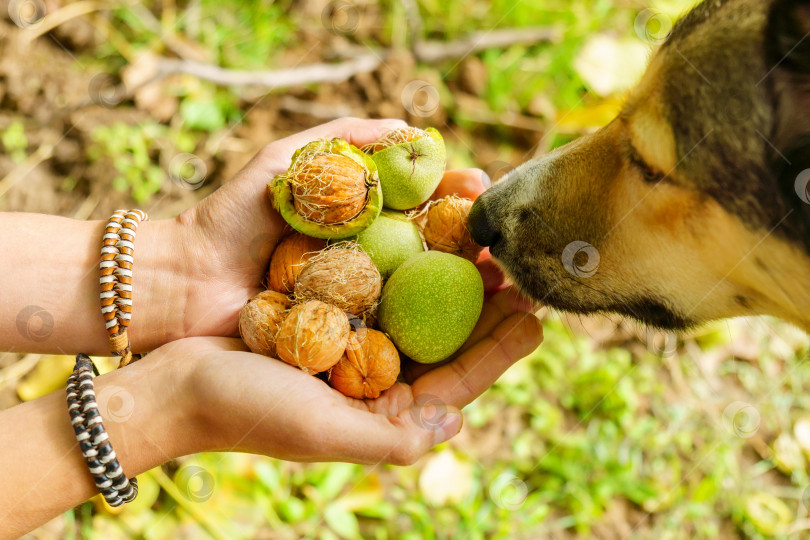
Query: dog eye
[[650, 175]]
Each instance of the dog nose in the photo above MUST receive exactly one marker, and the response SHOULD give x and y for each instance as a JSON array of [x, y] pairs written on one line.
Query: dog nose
[[481, 228]]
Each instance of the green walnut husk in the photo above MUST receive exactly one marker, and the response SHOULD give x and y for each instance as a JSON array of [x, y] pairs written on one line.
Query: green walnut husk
[[411, 164], [430, 305], [390, 241], [331, 190]]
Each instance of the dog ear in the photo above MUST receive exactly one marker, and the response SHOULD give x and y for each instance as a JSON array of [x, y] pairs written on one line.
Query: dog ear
[[786, 36]]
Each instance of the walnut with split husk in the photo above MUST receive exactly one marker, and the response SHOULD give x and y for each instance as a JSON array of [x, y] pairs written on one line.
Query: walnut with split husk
[[330, 191]]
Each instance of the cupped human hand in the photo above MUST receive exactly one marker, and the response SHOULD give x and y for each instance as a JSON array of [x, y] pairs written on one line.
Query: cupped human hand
[[247, 402], [233, 232]]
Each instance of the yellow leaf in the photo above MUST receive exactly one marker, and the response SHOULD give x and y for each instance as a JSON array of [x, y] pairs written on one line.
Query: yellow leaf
[[50, 373], [589, 117], [364, 495], [610, 65], [445, 479]]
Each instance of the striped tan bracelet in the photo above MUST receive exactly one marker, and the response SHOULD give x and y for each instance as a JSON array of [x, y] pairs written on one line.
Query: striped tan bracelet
[[116, 279]]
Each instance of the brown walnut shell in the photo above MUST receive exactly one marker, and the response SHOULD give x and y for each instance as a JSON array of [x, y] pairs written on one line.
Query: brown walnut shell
[[313, 336], [330, 188], [260, 320], [342, 276], [292, 252], [446, 228], [369, 366]]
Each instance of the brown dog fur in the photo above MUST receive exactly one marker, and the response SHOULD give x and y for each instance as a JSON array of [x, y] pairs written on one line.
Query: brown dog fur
[[688, 198]]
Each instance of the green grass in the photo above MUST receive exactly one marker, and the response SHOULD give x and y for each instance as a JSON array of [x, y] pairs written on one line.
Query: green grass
[[591, 428], [133, 151]]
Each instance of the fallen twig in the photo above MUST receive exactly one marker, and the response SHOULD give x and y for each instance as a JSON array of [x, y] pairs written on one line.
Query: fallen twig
[[18, 369], [321, 111], [280, 78], [439, 51], [356, 60], [361, 60], [61, 16]]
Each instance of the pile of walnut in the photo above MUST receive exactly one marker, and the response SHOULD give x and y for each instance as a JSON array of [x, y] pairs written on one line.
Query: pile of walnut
[[319, 312], [317, 315]]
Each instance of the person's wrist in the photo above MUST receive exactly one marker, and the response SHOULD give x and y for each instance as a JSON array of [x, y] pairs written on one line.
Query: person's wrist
[[197, 371], [161, 277], [148, 409]]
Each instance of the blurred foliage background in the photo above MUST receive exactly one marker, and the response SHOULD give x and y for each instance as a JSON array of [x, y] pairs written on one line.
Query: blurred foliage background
[[609, 430]]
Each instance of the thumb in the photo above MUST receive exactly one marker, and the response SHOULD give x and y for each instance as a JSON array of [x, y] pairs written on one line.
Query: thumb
[[365, 437]]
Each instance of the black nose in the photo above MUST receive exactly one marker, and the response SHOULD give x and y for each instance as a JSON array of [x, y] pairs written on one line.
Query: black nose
[[483, 231]]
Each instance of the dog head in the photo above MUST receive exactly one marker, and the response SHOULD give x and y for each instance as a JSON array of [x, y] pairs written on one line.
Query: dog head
[[686, 206]]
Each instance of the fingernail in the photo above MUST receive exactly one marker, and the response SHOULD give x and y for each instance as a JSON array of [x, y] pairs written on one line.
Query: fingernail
[[449, 426], [486, 180]]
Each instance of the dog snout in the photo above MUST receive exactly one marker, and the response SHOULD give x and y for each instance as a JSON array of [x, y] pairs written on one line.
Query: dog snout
[[482, 227]]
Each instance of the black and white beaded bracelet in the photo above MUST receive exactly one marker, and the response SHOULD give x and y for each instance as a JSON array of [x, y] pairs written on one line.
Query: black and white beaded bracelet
[[93, 440]]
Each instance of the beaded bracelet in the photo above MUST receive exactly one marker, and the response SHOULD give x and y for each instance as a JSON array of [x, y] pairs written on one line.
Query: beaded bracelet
[[116, 279], [93, 440], [115, 284]]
